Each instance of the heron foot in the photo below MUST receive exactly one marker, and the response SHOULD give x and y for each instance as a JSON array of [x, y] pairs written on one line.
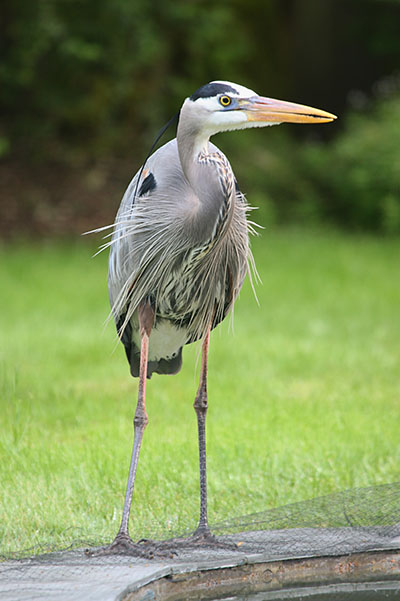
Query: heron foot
[[124, 545], [200, 539], [204, 538], [166, 549]]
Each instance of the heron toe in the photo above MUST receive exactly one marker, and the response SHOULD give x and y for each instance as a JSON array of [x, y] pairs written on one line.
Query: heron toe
[[124, 545]]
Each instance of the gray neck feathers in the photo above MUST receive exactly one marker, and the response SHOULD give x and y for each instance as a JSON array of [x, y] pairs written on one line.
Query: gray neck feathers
[[210, 176]]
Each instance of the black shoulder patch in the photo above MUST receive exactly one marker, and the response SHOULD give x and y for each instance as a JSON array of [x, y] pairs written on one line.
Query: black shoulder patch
[[148, 185], [213, 89]]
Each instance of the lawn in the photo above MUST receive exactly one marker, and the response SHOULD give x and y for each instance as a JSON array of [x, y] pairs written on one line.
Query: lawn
[[303, 393]]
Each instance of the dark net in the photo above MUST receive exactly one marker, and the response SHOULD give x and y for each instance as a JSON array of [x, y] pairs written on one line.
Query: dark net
[[343, 546], [360, 519]]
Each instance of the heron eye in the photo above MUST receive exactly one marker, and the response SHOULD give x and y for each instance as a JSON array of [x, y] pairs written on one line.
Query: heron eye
[[225, 100]]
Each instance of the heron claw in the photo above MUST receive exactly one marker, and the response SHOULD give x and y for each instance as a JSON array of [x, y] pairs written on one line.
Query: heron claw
[[124, 545], [207, 539]]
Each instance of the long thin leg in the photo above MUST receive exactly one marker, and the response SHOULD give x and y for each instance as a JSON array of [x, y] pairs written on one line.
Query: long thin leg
[[201, 406], [146, 318], [202, 536]]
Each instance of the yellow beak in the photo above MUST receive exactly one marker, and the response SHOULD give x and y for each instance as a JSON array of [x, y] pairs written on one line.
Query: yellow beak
[[270, 110]]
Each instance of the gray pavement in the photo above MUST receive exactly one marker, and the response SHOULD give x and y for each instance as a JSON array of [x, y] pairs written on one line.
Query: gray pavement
[[72, 576]]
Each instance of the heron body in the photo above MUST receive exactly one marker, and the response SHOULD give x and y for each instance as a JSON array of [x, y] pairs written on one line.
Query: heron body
[[195, 259], [180, 252]]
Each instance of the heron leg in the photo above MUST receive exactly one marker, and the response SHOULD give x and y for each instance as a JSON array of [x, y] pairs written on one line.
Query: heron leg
[[202, 536], [146, 320], [201, 405]]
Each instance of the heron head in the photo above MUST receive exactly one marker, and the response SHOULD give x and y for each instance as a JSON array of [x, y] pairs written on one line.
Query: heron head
[[222, 106]]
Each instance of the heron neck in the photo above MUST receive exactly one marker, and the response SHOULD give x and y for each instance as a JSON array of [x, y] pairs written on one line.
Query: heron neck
[[211, 179], [200, 169], [191, 144]]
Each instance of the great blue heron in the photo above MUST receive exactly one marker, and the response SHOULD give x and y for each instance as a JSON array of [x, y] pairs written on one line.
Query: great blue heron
[[180, 252]]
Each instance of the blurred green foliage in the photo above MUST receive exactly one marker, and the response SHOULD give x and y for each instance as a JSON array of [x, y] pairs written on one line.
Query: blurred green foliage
[[357, 177], [85, 74], [87, 81]]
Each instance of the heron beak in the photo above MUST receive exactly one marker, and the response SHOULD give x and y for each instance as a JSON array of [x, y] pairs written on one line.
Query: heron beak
[[270, 110]]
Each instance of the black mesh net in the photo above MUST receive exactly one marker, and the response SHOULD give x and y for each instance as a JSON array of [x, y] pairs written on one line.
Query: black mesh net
[[361, 518], [340, 546], [356, 507]]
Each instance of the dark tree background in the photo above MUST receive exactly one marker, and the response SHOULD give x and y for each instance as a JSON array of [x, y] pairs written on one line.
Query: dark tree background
[[86, 84]]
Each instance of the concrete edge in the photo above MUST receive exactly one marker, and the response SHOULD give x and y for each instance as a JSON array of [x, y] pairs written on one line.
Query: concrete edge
[[256, 574]]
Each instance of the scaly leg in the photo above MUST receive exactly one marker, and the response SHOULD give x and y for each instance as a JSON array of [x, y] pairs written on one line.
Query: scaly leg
[[146, 319], [201, 406], [122, 542], [202, 535]]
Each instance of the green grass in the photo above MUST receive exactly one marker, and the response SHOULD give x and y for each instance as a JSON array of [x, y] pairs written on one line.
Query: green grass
[[304, 395]]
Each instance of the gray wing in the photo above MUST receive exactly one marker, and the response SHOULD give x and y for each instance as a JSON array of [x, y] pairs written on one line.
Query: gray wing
[[149, 234], [143, 223]]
